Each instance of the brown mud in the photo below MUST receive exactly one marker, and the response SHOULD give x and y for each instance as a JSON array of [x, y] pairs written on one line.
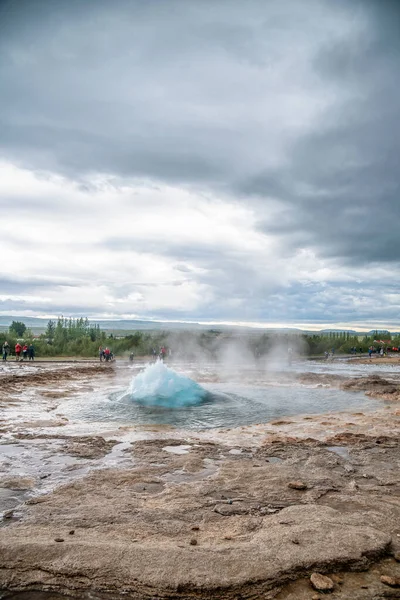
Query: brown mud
[[17, 381], [245, 513]]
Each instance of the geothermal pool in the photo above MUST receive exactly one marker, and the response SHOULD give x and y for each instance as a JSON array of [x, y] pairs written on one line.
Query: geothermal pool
[[159, 395], [47, 406]]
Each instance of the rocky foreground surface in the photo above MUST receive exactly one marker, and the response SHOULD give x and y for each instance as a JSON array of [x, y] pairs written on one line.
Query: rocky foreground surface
[[295, 509]]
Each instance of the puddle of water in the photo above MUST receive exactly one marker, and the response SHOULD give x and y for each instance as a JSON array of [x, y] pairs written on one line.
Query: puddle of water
[[274, 459], [182, 476], [341, 451], [41, 461], [10, 498], [177, 449], [118, 455]]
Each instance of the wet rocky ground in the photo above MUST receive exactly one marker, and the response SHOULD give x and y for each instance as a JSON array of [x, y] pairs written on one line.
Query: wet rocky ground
[[251, 512]]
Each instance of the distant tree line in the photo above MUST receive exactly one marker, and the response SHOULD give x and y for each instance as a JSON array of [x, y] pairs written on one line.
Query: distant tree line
[[343, 342], [81, 338]]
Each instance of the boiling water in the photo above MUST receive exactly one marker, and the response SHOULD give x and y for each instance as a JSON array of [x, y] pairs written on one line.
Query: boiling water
[[160, 395], [159, 385]]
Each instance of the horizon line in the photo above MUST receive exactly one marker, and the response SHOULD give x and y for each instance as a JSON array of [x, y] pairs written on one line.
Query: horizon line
[[240, 324]]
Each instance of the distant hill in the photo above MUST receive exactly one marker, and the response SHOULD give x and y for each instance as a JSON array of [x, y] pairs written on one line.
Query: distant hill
[[350, 331], [125, 326], [36, 324], [379, 332]]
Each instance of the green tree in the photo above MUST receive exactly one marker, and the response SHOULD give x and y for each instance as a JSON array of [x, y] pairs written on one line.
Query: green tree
[[51, 329], [17, 328]]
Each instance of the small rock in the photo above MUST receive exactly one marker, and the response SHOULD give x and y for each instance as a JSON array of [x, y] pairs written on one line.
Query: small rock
[[322, 583], [58, 539], [297, 485], [227, 537], [396, 556], [193, 542], [227, 511], [392, 581], [71, 532], [195, 528], [8, 514], [315, 597], [286, 522], [268, 511], [295, 541], [349, 468]]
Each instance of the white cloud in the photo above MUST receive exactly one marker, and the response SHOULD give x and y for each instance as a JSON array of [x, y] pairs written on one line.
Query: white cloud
[[231, 164]]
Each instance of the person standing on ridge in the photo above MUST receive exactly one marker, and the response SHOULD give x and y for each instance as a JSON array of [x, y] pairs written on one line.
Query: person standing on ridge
[[25, 352], [31, 352], [18, 349], [6, 350]]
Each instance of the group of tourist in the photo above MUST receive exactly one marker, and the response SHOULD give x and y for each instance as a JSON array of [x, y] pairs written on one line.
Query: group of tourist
[[22, 352], [156, 355], [105, 354], [353, 350], [162, 353], [372, 350]]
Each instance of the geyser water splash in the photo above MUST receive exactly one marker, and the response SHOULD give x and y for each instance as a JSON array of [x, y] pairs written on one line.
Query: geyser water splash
[[158, 385]]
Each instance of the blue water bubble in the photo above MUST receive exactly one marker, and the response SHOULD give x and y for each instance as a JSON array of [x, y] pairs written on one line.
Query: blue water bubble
[[158, 385]]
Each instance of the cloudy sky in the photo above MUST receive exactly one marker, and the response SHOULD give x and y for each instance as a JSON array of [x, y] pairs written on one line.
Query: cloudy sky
[[201, 160]]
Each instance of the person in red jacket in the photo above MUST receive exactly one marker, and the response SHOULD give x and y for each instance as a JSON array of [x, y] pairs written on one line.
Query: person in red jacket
[[25, 352], [18, 349]]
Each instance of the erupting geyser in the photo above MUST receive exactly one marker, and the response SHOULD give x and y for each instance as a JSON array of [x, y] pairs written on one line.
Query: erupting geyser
[[159, 385]]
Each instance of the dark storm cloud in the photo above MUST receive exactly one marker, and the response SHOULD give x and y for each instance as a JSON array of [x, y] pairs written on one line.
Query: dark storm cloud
[[295, 103], [22, 286], [147, 89], [173, 91], [94, 87], [341, 186]]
